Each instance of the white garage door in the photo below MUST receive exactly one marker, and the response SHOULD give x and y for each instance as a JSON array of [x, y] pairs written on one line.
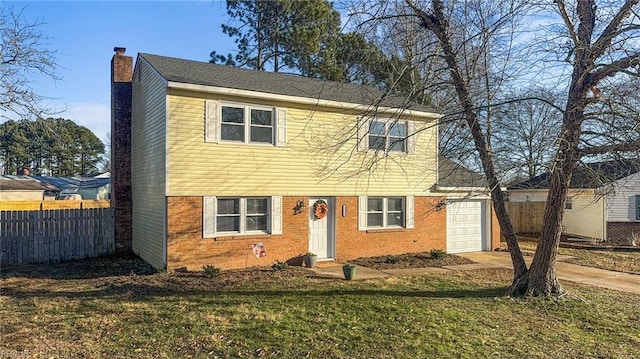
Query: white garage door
[[464, 226]]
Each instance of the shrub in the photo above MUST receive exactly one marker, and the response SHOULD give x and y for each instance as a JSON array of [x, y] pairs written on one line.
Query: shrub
[[211, 270], [279, 266], [437, 253], [392, 259]]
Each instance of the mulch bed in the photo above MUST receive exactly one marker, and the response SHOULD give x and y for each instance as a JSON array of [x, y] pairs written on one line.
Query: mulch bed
[[410, 260]]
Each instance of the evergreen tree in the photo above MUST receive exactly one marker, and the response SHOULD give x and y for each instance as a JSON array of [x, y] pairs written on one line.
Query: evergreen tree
[[53, 147]]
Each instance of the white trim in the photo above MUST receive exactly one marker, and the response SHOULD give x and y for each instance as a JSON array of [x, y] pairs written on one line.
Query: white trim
[[280, 127], [409, 212], [210, 213], [362, 132], [461, 189], [246, 108], [300, 100], [362, 213], [412, 137], [388, 123], [276, 215], [209, 216], [212, 125]]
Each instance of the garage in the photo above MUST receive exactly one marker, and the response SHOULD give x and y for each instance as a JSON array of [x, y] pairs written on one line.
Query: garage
[[466, 229]]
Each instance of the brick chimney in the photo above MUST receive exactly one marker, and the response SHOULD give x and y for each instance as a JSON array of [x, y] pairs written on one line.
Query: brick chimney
[[121, 73]]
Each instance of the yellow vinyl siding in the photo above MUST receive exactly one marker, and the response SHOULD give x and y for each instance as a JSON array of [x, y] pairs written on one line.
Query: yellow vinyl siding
[[21, 195], [586, 216], [148, 164], [320, 157]]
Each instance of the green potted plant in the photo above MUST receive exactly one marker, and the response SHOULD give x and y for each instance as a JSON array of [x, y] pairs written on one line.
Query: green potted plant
[[310, 260], [349, 270]]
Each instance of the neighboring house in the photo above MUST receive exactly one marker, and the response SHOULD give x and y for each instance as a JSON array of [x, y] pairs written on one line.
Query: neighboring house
[[223, 158], [87, 188], [97, 188], [603, 201], [21, 188]]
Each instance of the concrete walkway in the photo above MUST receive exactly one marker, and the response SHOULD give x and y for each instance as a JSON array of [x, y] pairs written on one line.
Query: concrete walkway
[[624, 282], [571, 272]]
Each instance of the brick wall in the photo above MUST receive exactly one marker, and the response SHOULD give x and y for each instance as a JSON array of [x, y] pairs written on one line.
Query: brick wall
[[121, 72], [187, 249], [622, 232], [429, 232], [496, 233]]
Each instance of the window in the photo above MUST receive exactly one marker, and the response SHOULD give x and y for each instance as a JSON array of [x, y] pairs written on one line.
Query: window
[[569, 203], [241, 215], [638, 207], [246, 124], [385, 212], [388, 135]]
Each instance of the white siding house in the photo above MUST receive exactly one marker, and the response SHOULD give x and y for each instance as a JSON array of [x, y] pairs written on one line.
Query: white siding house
[[603, 202]]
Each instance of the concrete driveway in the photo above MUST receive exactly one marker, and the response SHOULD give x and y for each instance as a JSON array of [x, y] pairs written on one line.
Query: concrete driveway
[[571, 272], [624, 282]]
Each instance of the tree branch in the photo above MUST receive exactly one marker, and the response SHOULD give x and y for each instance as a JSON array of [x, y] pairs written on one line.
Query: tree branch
[[611, 31], [565, 16], [612, 68], [618, 147]]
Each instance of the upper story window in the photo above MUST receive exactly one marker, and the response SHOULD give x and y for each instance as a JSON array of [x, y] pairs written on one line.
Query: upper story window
[[245, 123], [386, 135], [638, 207]]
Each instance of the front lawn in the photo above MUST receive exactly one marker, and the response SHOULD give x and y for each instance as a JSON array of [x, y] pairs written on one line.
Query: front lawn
[[118, 310], [628, 262]]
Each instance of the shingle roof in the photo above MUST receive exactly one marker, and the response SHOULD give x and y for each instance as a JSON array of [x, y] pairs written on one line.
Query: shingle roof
[[203, 73], [20, 183], [452, 174], [587, 175]]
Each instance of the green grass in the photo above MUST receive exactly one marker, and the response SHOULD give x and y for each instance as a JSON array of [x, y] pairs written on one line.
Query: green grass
[[290, 314]]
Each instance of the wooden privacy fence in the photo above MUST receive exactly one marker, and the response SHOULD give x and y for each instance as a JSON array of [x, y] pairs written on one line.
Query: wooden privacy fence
[[43, 205], [526, 217], [51, 236]]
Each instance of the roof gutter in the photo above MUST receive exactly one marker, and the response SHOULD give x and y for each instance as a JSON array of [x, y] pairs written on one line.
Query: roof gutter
[[439, 188], [300, 100]]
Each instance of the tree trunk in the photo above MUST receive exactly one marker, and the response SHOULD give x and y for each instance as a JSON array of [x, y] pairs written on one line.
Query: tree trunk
[[437, 24]]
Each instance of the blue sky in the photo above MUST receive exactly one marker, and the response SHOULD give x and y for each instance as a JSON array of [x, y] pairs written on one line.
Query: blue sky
[[84, 34]]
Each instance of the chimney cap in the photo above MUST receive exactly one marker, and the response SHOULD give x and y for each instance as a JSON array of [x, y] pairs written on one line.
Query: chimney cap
[[119, 50]]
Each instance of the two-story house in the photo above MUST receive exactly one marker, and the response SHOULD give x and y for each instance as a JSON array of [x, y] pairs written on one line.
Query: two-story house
[[224, 158]]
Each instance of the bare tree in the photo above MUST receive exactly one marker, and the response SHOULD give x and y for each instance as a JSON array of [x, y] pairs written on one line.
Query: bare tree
[[603, 44], [23, 57], [480, 50], [525, 133]]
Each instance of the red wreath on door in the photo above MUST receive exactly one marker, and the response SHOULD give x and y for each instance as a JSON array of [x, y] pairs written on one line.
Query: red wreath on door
[[320, 209]]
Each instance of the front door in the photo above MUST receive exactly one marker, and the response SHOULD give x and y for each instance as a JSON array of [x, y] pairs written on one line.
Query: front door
[[321, 229]]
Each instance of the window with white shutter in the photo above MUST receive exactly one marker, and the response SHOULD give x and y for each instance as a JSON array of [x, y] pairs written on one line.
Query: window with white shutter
[[245, 123], [241, 215], [385, 212]]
